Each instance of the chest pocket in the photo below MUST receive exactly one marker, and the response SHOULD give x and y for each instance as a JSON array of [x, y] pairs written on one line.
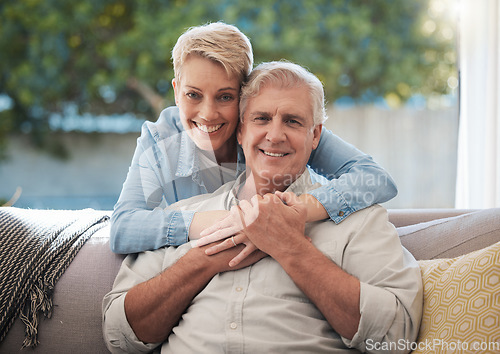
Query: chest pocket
[[277, 283]]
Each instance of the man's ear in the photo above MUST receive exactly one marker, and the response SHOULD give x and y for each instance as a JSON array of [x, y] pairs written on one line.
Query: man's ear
[[316, 135]]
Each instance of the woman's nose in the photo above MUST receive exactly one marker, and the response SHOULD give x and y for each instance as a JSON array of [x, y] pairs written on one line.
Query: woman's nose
[[208, 110]]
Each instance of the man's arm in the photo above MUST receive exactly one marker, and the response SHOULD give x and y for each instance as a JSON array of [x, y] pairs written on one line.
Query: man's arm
[[146, 302], [316, 275], [154, 307], [381, 301], [334, 292]]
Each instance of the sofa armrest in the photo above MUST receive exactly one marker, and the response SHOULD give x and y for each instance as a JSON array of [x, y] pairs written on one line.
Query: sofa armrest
[[405, 217], [75, 325], [451, 236]]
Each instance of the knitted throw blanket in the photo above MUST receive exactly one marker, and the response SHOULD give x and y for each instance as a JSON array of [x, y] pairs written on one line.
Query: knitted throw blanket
[[36, 247]]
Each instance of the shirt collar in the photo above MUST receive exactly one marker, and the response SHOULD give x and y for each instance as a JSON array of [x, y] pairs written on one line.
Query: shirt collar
[[299, 186]]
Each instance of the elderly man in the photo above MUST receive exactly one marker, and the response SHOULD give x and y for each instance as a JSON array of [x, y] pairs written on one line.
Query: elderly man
[[348, 285]]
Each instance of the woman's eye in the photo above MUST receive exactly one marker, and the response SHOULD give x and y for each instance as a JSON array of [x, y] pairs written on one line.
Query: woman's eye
[[193, 95], [226, 98]]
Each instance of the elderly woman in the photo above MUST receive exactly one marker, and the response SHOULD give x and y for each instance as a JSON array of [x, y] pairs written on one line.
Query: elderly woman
[[192, 149]]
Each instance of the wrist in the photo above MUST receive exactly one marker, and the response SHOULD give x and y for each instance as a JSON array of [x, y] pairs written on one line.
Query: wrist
[[315, 210]]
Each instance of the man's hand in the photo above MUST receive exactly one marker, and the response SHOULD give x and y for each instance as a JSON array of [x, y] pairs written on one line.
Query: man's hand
[[275, 222], [246, 214]]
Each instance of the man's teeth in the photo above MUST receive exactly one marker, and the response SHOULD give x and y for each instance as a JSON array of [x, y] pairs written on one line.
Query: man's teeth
[[273, 154], [208, 129]]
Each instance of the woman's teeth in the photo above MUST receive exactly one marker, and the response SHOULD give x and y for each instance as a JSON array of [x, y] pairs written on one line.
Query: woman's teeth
[[208, 129]]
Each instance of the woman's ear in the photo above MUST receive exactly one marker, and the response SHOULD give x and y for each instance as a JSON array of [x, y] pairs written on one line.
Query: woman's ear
[[174, 85], [238, 132]]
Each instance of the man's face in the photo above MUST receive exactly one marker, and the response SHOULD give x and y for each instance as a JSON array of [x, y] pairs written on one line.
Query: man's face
[[208, 103], [277, 135]]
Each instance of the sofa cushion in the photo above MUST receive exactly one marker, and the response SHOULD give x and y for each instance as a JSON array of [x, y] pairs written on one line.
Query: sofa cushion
[[461, 303], [453, 236]]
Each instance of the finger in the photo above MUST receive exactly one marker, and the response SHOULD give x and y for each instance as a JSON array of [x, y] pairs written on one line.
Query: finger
[[243, 205], [289, 198], [217, 236], [226, 244], [245, 252], [219, 225]]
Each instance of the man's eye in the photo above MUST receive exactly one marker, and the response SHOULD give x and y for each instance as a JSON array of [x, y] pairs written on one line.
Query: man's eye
[[293, 122]]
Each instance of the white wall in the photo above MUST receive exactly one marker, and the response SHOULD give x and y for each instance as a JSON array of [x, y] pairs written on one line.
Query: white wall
[[92, 177], [417, 147]]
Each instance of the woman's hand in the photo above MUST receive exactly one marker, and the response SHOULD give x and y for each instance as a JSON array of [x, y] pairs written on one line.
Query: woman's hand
[[229, 229]]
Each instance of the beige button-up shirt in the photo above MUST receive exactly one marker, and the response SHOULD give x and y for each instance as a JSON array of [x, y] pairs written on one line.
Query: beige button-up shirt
[[259, 309]]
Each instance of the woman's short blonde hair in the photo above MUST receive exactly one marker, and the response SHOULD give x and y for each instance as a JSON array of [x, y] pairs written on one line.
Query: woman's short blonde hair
[[283, 74], [220, 42]]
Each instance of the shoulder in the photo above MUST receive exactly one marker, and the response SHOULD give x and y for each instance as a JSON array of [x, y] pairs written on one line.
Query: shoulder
[[167, 124], [204, 202]]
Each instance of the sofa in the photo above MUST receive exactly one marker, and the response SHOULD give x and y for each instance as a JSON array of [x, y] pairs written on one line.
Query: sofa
[[458, 251]]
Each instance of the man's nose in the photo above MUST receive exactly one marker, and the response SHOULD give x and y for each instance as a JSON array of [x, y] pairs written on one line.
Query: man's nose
[[275, 132], [208, 110]]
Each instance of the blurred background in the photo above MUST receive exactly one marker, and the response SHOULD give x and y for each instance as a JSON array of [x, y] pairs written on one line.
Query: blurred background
[[78, 78]]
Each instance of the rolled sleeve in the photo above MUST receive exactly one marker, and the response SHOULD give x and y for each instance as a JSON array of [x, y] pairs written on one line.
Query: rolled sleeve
[[355, 180], [135, 269], [378, 310], [390, 286], [334, 203], [178, 228], [118, 335]]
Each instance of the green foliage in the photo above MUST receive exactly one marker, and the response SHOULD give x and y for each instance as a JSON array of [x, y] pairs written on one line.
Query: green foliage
[[88, 52]]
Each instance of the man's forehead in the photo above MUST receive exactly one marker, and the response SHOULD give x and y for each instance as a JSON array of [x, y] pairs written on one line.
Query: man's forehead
[[284, 102]]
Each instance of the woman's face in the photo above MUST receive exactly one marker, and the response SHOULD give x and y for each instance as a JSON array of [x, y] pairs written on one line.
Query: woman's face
[[208, 104]]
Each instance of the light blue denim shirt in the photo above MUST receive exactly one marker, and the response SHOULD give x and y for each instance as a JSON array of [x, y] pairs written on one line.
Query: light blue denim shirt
[[165, 169]]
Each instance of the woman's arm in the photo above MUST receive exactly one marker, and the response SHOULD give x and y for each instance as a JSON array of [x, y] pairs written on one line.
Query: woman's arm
[[355, 180], [138, 223]]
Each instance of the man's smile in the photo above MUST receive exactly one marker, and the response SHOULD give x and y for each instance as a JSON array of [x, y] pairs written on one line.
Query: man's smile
[[273, 154]]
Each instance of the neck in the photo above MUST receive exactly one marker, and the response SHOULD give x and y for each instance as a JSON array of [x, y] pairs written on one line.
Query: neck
[[227, 153], [254, 185]]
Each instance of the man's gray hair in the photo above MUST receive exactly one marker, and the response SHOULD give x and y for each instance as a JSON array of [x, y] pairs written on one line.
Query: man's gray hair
[[283, 74]]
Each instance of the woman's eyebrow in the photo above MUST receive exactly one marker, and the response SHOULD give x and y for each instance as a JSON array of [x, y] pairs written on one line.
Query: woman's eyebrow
[[221, 89]]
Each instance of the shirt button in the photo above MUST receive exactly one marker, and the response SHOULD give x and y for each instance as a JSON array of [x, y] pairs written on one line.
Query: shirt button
[[239, 288], [341, 213], [233, 325]]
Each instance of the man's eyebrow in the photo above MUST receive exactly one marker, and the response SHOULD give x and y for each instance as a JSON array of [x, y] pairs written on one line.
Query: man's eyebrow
[[294, 116], [259, 114]]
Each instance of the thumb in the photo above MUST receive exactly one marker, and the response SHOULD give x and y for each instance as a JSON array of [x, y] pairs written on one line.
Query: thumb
[[288, 198]]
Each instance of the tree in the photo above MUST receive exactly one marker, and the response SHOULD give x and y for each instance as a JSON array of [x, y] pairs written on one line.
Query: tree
[[110, 56]]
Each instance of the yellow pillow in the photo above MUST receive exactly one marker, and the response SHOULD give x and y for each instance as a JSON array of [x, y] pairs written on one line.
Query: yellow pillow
[[461, 304]]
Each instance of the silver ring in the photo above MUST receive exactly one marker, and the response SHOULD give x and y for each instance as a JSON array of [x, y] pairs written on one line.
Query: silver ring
[[234, 243]]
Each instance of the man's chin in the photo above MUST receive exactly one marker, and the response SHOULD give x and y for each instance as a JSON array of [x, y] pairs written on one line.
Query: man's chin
[[277, 180]]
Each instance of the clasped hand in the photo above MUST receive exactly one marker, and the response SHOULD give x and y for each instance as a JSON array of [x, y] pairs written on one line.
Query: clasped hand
[[264, 223]]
